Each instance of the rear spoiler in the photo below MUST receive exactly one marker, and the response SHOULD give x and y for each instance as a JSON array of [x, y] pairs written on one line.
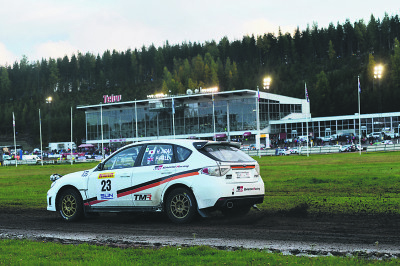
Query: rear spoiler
[[201, 144]]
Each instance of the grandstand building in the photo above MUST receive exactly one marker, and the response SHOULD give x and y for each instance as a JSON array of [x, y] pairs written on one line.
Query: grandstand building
[[234, 116]]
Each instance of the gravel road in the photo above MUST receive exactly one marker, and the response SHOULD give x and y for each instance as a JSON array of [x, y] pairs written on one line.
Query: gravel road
[[289, 233]]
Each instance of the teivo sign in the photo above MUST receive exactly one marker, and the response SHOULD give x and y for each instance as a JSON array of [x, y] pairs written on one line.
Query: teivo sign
[[112, 99]]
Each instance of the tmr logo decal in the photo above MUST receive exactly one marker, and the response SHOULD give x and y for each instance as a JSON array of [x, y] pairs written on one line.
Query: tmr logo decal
[[143, 197], [239, 189], [106, 175]]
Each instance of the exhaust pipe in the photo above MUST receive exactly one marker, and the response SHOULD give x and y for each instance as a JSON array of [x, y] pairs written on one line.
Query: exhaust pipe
[[229, 204]]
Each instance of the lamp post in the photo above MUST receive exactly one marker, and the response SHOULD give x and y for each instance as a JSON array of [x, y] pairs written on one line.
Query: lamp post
[[49, 101], [378, 70], [267, 83]]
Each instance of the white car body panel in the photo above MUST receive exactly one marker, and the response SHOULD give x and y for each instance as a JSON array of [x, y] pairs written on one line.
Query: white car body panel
[[146, 186]]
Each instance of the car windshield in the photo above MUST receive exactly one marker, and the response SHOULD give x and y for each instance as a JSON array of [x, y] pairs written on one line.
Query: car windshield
[[227, 153]]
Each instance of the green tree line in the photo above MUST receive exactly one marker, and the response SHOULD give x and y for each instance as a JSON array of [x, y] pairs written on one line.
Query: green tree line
[[329, 60]]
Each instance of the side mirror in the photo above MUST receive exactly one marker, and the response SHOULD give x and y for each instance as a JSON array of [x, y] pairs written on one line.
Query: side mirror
[[100, 166]]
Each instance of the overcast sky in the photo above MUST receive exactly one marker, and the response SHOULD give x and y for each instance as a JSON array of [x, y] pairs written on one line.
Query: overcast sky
[[54, 28]]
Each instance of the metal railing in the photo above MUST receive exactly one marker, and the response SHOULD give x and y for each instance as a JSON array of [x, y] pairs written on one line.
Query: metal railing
[[325, 150]]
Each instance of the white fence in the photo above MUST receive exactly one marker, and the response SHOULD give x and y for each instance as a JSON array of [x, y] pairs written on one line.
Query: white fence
[[324, 150], [33, 162], [12, 162], [387, 147]]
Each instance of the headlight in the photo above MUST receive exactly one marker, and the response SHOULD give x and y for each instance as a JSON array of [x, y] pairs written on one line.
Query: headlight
[[54, 177]]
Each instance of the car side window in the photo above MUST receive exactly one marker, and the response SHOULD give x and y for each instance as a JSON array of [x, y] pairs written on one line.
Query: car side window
[[123, 159], [158, 154], [182, 153]]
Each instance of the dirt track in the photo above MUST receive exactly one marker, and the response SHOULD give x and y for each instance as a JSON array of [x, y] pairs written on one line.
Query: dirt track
[[290, 233]]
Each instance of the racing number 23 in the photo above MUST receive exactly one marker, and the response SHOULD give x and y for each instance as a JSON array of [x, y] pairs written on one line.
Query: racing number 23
[[106, 185]]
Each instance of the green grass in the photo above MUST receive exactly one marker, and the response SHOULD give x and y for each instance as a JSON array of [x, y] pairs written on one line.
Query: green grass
[[23, 252], [333, 183], [25, 186]]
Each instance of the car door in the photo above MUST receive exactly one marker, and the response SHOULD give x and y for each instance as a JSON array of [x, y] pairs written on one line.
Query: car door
[[157, 168], [107, 187]]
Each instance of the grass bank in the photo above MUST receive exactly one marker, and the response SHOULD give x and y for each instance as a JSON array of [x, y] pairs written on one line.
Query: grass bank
[[23, 252]]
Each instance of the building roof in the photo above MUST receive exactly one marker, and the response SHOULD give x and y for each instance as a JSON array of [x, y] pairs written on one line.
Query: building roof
[[198, 97]]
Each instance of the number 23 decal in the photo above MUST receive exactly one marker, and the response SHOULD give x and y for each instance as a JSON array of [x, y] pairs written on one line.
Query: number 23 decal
[[106, 185]]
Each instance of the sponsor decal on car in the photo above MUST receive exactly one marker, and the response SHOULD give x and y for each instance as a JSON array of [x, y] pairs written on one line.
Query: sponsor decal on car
[[158, 167], [105, 190], [161, 166], [85, 173], [107, 196], [239, 189], [106, 175], [142, 197], [252, 188]]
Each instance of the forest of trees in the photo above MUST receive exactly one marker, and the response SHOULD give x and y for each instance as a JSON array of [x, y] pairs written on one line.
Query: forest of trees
[[329, 60]]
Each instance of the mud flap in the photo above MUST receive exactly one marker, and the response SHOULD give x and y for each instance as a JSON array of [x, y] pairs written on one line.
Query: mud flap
[[203, 213]]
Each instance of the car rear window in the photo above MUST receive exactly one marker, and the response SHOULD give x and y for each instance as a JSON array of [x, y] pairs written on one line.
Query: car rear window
[[226, 153]]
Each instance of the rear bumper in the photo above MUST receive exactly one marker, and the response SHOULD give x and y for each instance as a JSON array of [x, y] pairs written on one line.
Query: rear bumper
[[241, 201]]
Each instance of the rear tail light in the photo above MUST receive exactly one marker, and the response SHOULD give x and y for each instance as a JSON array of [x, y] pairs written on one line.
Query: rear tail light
[[215, 170]]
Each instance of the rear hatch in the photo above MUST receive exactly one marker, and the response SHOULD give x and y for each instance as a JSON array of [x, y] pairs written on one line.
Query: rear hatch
[[235, 165], [241, 173]]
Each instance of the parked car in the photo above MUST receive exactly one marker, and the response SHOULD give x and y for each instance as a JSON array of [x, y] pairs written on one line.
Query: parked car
[[282, 152], [345, 148], [327, 138], [177, 177], [294, 150], [375, 135]]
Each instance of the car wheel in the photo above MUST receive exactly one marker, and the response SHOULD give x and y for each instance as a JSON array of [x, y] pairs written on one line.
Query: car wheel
[[70, 205], [235, 212], [180, 206]]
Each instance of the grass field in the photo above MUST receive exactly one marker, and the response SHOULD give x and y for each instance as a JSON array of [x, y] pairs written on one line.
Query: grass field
[[327, 184], [334, 183]]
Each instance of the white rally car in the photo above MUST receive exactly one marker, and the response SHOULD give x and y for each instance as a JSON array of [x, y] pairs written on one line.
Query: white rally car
[[179, 177]]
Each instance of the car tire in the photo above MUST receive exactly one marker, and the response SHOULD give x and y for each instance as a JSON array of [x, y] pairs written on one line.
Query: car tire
[[236, 212], [70, 205], [180, 206]]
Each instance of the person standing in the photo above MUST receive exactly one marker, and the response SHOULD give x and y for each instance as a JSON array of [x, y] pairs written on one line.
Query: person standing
[[1, 156]]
